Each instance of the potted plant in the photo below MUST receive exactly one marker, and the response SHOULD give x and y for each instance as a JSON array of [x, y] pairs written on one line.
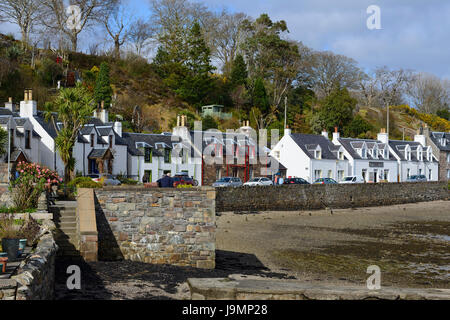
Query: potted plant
[[10, 233], [3, 261]]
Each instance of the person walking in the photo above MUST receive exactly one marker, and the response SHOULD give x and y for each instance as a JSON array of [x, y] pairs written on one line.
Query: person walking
[[166, 181]]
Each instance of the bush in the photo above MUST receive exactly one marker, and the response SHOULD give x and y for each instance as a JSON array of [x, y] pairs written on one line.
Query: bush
[[32, 181], [125, 180], [9, 229], [184, 186], [84, 182]]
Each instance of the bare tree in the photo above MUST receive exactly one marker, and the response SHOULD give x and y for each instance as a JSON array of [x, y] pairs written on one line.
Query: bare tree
[[67, 23], [429, 93], [392, 84], [141, 34], [225, 37], [23, 13], [117, 24]]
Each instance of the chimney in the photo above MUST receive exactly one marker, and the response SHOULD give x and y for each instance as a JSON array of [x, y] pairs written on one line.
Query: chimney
[[336, 134], [287, 131], [104, 116], [325, 133], [118, 128], [421, 137], [10, 105], [383, 136], [178, 121], [102, 105], [28, 107]]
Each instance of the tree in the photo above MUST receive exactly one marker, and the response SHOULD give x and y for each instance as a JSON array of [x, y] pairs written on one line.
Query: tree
[[140, 34], [63, 22], [3, 141], [429, 93], [239, 73], [226, 37], [336, 109], [74, 107], [209, 123], [270, 58], [328, 71], [23, 13], [50, 71], [358, 127], [103, 91], [117, 25], [392, 84]]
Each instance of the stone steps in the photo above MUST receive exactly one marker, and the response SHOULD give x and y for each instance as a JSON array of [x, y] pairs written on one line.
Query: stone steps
[[64, 213]]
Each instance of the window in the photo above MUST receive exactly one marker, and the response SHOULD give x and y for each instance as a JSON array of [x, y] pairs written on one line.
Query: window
[[340, 175], [110, 141], [11, 138], [218, 173], [318, 154], [420, 155], [147, 176], [317, 174], [27, 139], [167, 156], [364, 174], [408, 173], [408, 154], [277, 155], [330, 174], [147, 155], [363, 153], [341, 155], [430, 176], [92, 140], [448, 157], [386, 175], [420, 171]]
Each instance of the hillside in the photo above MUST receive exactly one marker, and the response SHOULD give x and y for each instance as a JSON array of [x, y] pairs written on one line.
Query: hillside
[[135, 82]]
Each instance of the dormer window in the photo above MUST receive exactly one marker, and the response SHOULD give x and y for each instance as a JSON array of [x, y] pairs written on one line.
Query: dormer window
[[443, 142], [363, 153], [92, 140], [420, 155], [341, 155], [408, 154], [318, 154]]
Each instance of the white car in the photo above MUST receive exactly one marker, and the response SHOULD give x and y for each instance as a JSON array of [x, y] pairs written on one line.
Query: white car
[[352, 179], [259, 182]]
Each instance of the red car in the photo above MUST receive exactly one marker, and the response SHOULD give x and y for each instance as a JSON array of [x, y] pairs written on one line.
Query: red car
[[182, 180]]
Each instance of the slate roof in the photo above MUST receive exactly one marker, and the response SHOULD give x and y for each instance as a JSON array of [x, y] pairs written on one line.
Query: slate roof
[[5, 112], [20, 121], [97, 153], [48, 126], [436, 138], [399, 146], [351, 144], [130, 139], [4, 119], [309, 142]]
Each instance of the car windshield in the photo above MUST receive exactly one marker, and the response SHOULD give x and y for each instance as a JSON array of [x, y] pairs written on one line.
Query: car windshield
[[254, 180], [224, 180], [348, 179]]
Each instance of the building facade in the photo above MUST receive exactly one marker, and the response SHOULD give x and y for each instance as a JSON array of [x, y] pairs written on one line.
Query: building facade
[[440, 144]]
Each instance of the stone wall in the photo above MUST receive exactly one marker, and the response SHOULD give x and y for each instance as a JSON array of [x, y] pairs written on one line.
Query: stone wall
[[302, 197], [35, 277], [159, 226]]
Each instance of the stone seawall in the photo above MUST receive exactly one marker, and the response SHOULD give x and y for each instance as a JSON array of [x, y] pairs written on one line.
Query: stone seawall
[[307, 197], [35, 277], [159, 226]]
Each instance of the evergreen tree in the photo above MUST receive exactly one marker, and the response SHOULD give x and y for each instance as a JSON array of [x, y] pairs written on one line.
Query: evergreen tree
[[198, 83], [103, 90], [337, 109], [259, 96], [239, 73]]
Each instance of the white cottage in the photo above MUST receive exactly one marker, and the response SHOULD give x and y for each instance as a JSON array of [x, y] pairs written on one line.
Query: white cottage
[[311, 156]]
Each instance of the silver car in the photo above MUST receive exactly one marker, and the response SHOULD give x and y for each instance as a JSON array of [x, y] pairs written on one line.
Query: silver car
[[261, 181], [111, 181], [227, 182]]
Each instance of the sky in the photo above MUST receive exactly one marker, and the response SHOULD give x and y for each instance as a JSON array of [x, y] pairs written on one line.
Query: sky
[[414, 34]]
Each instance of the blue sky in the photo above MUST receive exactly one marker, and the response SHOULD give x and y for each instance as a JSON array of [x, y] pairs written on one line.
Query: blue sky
[[415, 34]]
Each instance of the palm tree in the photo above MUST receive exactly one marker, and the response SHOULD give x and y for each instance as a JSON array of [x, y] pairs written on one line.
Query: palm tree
[[74, 107]]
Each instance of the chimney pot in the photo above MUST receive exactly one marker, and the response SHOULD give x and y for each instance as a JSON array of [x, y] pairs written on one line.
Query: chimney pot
[[336, 129], [102, 104]]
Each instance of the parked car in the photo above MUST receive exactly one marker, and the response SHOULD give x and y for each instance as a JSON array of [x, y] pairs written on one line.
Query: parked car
[[109, 180], [228, 182], [417, 178], [295, 181], [94, 177], [352, 179], [185, 176], [325, 181], [259, 181], [182, 179]]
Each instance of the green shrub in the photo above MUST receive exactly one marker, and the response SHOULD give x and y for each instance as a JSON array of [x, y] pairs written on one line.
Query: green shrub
[[125, 180], [84, 182]]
